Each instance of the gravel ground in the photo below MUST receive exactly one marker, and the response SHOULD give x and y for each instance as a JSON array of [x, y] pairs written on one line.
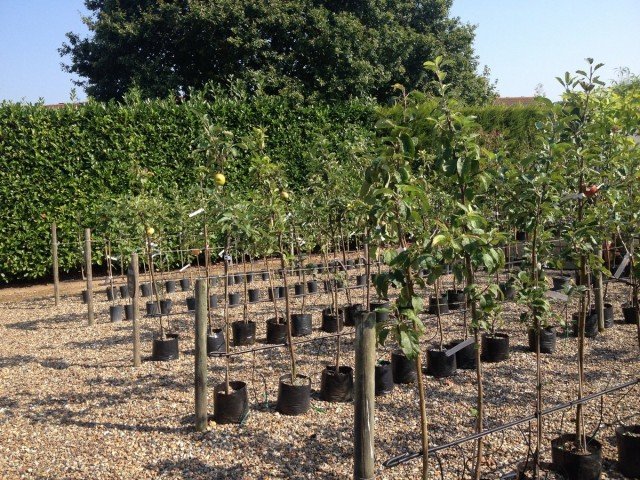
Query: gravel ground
[[73, 407]]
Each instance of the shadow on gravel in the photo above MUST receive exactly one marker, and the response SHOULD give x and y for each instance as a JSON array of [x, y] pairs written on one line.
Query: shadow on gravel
[[194, 468], [16, 361], [51, 322]]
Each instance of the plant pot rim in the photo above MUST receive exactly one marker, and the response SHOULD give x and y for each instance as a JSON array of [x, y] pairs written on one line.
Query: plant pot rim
[[495, 335], [286, 379]]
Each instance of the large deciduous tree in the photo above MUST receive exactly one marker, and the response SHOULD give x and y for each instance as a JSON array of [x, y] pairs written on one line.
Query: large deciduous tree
[[334, 48]]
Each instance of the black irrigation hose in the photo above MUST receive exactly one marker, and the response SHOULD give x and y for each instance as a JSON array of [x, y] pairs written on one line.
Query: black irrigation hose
[[405, 457]]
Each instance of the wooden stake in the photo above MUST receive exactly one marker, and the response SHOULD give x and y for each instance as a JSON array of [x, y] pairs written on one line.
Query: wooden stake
[[89, 273], [54, 254], [364, 401], [134, 292], [201, 354]]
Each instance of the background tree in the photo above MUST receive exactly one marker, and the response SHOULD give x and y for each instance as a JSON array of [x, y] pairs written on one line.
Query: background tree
[[337, 49]]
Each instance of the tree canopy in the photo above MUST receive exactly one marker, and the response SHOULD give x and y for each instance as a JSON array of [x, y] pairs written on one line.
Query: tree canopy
[[334, 49]]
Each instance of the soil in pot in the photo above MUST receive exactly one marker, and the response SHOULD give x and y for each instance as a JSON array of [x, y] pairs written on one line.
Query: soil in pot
[[457, 299], [350, 313], [383, 378], [128, 311], [443, 302], [466, 357], [244, 334], [185, 284], [191, 304], [124, 291], [215, 341], [294, 399], [116, 312], [439, 365], [164, 350], [403, 369], [547, 340], [630, 313], [332, 323], [232, 407], [336, 386], [301, 324], [170, 286], [276, 331], [381, 309], [628, 440], [495, 347], [575, 465]]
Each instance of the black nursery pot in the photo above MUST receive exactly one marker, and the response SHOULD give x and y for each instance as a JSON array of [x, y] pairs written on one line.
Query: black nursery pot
[[244, 334], [332, 323], [234, 298], [254, 295], [312, 286], [443, 302], [164, 350], [298, 289], [628, 440], [215, 341], [361, 280], [350, 313], [170, 286], [439, 365], [301, 324], [85, 296], [249, 277], [185, 284], [276, 332], [232, 407], [560, 282], [547, 340], [508, 290], [294, 399], [383, 378], [116, 312], [630, 313], [466, 357], [495, 348], [145, 289], [591, 324], [238, 278], [573, 465], [128, 311], [213, 301], [165, 306], [111, 293], [281, 292], [230, 280], [213, 281], [380, 316], [403, 369], [457, 299], [608, 315], [336, 386], [273, 293], [152, 308], [124, 291], [191, 304], [264, 276]]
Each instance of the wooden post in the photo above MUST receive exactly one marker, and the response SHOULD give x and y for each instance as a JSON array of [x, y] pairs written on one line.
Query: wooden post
[[54, 254], [364, 401], [89, 273], [134, 292], [201, 354]]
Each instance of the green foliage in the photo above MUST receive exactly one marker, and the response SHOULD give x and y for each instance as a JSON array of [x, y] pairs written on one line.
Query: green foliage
[[335, 49]]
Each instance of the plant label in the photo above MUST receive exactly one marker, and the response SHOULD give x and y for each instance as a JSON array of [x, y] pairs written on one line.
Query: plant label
[[622, 266], [557, 296], [196, 212], [458, 347], [184, 268]]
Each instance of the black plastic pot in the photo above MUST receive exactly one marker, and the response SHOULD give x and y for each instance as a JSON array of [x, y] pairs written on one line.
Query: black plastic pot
[[332, 323], [281, 292], [152, 308], [380, 315], [85, 296], [508, 290], [608, 315], [232, 407], [230, 280], [170, 286], [312, 286], [443, 302], [164, 350], [466, 357], [521, 236], [361, 280], [254, 295], [238, 278], [403, 369], [145, 289], [128, 311], [298, 289], [439, 365], [591, 324], [213, 281], [234, 298], [628, 440], [457, 299], [124, 291], [630, 313], [244, 334], [185, 284], [191, 304], [547, 340], [327, 286], [249, 277], [213, 301], [165, 306], [273, 293], [276, 332], [116, 312], [111, 293], [574, 465], [560, 282], [301, 324], [350, 313], [264, 276], [215, 341], [294, 399], [336, 386], [383, 378], [495, 348]]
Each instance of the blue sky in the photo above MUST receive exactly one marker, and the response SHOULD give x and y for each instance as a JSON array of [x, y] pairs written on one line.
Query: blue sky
[[523, 42]]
